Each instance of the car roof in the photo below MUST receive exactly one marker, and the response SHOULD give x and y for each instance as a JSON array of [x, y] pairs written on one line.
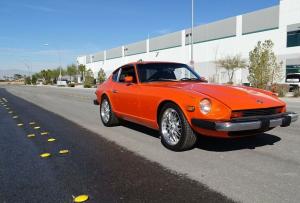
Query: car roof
[[150, 62]]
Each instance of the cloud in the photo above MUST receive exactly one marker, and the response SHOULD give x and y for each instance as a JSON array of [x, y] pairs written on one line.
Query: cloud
[[40, 8]]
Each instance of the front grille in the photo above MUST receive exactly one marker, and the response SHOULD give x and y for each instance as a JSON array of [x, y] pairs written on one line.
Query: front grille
[[259, 112]]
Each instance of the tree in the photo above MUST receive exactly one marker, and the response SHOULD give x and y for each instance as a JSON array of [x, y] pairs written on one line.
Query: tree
[[101, 75], [89, 79], [46, 75], [27, 80], [17, 76], [82, 69], [34, 79], [263, 66], [231, 64], [71, 71]]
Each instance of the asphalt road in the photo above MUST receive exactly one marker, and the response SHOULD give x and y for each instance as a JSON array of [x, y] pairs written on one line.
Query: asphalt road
[[265, 168], [94, 166]]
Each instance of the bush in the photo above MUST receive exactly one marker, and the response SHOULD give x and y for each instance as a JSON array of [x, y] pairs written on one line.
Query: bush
[[280, 89], [296, 92], [87, 86], [71, 85]]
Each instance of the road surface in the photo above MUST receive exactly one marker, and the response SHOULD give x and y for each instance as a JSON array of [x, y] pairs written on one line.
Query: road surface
[[265, 168]]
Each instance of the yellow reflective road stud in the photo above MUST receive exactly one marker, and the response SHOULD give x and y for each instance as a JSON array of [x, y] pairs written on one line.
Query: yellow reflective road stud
[[63, 151], [31, 135], [45, 155], [31, 123], [14, 117], [44, 133], [20, 124], [51, 139], [10, 112], [81, 198], [37, 127]]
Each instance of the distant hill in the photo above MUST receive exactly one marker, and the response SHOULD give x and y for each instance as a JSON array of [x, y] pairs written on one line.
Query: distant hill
[[11, 72]]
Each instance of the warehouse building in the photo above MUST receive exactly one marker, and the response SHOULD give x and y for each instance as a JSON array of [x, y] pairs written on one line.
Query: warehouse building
[[212, 41]]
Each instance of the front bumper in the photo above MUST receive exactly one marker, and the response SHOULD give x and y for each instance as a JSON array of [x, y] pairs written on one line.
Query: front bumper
[[260, 123]]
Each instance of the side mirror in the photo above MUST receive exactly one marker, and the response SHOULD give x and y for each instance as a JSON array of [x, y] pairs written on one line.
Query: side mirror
[[203, 79], [128, 79]]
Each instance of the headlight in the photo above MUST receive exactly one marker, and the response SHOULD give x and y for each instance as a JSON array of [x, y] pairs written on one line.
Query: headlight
[[205, 106]]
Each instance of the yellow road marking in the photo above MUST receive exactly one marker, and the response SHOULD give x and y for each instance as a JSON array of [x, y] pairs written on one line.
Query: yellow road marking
[[31, 123], [45, 155], [20, 124], [14, 117], [81, 198], [37, 127], [51, 139], [31, 135], [10, 112], [44, 133]]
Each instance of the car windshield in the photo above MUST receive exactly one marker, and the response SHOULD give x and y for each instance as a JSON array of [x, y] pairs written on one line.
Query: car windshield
[[293, 76], [166, 72]]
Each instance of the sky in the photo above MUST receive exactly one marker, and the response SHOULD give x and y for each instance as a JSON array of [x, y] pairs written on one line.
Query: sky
[[46, 33]]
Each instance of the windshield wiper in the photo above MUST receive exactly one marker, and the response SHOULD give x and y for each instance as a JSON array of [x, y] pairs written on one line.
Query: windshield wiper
[[189, 79], [160, 79]]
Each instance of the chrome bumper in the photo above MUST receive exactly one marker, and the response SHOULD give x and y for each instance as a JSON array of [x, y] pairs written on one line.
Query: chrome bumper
[[262, 123]]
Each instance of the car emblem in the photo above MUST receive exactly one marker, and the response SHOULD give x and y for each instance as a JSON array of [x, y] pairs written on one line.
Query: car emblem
[[259, 101]]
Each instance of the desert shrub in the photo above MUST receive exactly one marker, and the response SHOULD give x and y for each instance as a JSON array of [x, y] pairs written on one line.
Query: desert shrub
[[296, 92], [280, 89], [87, 85]]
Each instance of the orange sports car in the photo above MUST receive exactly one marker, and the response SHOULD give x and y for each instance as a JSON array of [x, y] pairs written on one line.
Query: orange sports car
[[174, 99]]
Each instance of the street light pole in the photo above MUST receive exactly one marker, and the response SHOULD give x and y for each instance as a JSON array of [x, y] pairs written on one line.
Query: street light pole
[[192, 37]]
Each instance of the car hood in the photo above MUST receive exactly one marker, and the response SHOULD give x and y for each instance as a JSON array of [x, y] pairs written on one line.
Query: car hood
[[235, 97]]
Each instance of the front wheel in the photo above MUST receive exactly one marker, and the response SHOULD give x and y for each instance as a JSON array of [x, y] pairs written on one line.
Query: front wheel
[[176, 133], [108, 117]]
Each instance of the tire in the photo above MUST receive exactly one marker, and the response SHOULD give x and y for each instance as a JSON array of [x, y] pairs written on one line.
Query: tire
[[178, 135], [107, 116]]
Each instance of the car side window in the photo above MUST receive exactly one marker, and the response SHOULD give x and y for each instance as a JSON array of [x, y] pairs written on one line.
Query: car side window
[[115, 75], [127, 71]]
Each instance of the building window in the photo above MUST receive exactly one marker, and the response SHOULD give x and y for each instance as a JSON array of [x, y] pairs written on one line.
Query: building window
[[292, 69], [293, 38]]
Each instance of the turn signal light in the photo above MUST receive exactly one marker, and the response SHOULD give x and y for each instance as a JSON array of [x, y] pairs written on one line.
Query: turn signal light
[[237, 114]]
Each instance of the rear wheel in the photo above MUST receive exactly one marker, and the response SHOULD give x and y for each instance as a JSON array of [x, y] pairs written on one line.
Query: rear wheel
[[176, 133], [108, 117]]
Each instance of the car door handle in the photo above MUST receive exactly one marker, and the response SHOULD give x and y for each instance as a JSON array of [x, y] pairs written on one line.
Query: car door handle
[[114, 91]]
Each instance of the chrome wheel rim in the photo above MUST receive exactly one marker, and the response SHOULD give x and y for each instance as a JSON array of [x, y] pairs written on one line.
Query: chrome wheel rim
[[105, 111], [171, 127]]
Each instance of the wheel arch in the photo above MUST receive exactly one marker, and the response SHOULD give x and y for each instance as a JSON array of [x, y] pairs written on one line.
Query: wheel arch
[[164, 102]]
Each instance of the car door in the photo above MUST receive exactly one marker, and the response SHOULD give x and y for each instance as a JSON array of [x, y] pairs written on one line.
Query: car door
[[126, 95]]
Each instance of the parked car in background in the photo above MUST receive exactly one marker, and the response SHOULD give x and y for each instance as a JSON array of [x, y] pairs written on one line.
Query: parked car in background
[[293, 80], [173, 99]]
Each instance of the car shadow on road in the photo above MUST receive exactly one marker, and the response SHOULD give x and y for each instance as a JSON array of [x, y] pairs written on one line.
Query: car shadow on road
[[216, 144], [223, 145]]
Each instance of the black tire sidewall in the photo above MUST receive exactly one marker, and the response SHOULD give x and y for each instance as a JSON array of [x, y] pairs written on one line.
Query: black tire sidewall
[[179, 145], [110, 113]]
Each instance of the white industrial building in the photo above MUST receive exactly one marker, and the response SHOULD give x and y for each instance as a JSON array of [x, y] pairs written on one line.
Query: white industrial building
[[235, 35]]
